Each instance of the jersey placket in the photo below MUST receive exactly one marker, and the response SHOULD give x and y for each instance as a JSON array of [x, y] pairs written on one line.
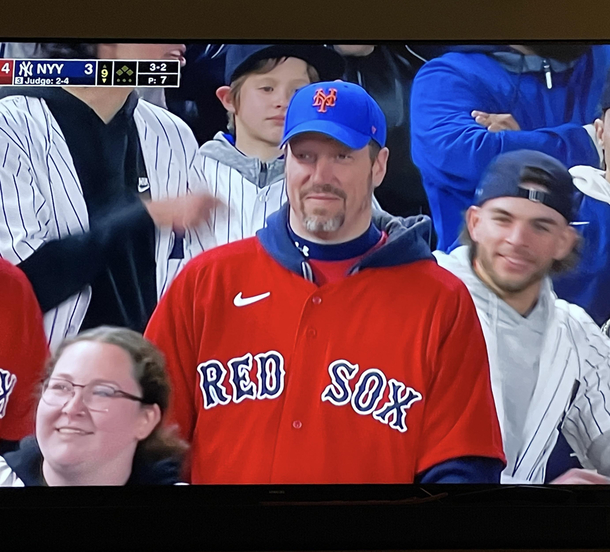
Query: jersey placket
[[298, 429]]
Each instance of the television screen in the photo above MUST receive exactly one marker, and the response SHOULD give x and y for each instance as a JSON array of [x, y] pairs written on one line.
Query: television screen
[[159, 187]]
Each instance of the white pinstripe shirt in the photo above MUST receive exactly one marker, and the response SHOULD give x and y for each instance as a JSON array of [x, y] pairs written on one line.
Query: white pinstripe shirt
[[251, 189], [41, 198]]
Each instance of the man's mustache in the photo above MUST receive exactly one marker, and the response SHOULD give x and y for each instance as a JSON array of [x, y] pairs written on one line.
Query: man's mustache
[[323, 189]]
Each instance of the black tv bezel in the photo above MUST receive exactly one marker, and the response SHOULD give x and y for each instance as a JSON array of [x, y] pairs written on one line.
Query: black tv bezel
[[308, 517]]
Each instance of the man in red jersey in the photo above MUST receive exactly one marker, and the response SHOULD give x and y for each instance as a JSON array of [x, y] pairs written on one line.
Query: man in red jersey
[[330, 348], [23, 352]]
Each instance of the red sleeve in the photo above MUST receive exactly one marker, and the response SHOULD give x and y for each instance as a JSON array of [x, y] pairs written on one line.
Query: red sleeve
[[23, 353], [171, 330], [460, 415]]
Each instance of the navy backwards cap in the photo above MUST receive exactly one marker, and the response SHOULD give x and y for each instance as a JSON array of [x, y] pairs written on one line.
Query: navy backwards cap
[[507, 172], [341, 110], [241, 58]]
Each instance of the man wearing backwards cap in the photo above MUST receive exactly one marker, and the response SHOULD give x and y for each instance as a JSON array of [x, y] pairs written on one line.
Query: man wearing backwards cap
[[330, 347], [550, 364]]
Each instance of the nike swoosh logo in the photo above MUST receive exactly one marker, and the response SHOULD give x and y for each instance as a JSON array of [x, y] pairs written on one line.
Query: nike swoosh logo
[[240, 301], [143, 185]]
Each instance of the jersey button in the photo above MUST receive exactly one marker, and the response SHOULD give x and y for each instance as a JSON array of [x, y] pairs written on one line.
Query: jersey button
[[316, 300], [297, 424], [311, 332]]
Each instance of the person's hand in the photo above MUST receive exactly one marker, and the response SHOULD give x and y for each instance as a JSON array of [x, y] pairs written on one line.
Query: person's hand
[[184, 212], [495, 122], [578, 476]]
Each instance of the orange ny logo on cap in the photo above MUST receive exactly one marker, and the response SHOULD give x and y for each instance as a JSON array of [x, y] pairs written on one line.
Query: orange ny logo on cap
[[322, 100]]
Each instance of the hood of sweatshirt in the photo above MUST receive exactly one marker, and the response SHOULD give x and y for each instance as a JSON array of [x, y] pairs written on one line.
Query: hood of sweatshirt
[[222, 148], [489, 305], [407, 242]]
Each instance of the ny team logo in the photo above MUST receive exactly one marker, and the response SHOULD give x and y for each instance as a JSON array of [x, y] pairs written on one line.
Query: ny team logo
[[322, 100], [7, 384], [220, 386]]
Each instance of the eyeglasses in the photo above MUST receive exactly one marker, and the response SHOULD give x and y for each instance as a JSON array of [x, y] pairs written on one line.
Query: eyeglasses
[[96, 396]]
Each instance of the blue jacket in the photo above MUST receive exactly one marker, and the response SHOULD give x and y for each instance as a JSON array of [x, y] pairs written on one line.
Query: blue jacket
[[452, 150], [588, 285]]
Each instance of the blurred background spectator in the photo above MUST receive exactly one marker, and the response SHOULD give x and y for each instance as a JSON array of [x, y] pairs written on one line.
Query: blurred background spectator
[[469, 106]]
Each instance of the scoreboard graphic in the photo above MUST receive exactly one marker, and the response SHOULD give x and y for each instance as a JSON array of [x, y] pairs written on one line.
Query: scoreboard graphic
[[97, 72]]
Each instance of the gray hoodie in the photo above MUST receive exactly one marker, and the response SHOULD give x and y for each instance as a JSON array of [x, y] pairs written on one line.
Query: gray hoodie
[[517, 373]]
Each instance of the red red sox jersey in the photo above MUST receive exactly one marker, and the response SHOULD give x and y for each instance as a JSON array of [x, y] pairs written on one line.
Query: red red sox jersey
[[372, 379], [23, 351]]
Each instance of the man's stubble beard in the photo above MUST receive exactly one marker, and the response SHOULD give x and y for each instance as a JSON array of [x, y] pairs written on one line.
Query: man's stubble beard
[[320, 221], [507, 286], [315, 224]]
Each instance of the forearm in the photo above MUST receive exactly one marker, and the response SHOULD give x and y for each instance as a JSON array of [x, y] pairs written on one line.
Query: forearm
[[60, 268]]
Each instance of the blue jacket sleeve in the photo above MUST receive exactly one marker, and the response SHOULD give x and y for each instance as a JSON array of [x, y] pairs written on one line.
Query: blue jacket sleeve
[[446, 137], [468, 469], [452, 150]]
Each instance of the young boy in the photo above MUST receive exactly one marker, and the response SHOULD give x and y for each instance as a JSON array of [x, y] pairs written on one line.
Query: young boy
[[244, 168]]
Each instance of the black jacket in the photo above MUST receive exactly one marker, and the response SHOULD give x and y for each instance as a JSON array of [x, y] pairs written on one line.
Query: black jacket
[[26, 462]]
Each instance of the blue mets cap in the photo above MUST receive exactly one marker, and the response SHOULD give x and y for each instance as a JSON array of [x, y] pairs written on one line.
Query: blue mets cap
[[341, 110], [506, 174]]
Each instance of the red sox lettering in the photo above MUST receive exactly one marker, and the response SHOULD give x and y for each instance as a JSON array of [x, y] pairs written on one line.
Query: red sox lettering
[[220, 386], [368, 393], [7, 384], [269, 375]]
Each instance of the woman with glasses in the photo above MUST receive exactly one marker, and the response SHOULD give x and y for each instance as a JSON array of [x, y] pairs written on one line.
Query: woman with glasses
[[99, 418]]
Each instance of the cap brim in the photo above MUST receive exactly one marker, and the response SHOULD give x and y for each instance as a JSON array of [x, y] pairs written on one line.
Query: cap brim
[[351, 138]]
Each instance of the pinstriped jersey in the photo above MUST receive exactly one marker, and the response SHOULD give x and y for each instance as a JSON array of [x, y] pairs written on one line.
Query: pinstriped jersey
[[251, 189], [41, 198]]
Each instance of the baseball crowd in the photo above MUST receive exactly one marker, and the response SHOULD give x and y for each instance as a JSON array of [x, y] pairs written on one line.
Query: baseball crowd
[[308, 264]]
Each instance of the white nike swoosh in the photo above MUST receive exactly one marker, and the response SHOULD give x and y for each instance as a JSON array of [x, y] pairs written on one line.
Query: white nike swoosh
[[242, 302], [143, 185]]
